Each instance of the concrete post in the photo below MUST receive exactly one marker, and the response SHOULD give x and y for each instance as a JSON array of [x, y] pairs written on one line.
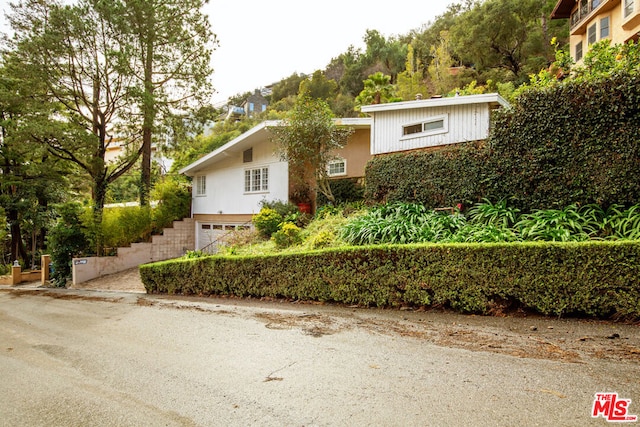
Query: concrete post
[[16, 274], [45, 261]]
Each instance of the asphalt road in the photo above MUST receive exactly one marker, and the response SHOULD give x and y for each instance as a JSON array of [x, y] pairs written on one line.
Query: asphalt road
[[81, 358]]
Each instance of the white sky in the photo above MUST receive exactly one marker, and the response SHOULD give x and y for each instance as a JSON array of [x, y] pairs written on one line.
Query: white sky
[[262, 42]]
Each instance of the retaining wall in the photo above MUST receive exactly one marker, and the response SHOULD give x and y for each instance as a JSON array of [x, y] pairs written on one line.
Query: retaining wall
[[173, 243]]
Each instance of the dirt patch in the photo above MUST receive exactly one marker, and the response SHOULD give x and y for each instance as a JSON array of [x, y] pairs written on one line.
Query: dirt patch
[[569, 340], [125, 281], [62, 295]]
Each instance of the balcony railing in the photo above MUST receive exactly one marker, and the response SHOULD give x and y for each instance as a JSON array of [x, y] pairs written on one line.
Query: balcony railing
[[584, 9]]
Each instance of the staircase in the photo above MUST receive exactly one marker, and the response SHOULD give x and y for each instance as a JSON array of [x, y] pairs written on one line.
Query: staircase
[[172, 243]]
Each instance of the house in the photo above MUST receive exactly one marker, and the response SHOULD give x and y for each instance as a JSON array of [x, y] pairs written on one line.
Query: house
[[594, 20], [230, 183], [255, 104], [425, 123]]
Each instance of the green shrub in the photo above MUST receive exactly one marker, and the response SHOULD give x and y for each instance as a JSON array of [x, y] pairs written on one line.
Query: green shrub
[[287, 235], [174, 202], [284, 209], [267, 221], [345, 190], [595, 279], [122, 226], [401, 223], [67, 239]]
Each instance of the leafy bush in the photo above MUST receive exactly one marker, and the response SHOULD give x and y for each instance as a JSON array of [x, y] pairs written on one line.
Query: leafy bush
[[434, 178], [67, 239], [287, 235], [174, 202], [122, 226], [598, 279], [345, 190], [401, 223], [267, 221], [284, 209]]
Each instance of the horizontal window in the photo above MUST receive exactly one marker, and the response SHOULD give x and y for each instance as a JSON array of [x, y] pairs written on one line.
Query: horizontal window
[[432, 126], [337, 167]]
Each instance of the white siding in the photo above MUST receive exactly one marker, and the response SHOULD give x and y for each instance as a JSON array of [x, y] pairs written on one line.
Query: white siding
[[465, 123], [225, 184]]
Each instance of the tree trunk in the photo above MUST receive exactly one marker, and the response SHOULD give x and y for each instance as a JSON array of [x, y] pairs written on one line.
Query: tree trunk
[[147, 126], [18, 251]]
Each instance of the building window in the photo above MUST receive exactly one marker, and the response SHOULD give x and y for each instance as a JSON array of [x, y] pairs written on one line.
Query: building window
[[201, 185], [604, 27], [579, 51], [337, 167], [251, 107], [433, 126], [591, 34], [256, 180], [247, 156], [594, 4], [628, 7]]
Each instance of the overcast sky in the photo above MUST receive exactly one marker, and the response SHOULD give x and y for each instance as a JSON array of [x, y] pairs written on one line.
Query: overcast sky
[[262, 42]]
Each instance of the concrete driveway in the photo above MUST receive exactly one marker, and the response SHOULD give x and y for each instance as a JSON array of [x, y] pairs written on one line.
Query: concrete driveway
[[84, 358]]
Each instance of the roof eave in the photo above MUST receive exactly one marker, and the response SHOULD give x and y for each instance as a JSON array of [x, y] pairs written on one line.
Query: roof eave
[[563, 9]]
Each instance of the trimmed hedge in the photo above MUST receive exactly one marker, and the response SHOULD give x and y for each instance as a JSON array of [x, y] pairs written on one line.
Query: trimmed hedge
[[596, 279], [435, 178]]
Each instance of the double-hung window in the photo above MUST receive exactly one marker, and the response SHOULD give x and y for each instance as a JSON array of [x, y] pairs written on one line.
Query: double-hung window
[[604, 27], [628, 7], [256, 180], [591, 34], [201, 185], [578, 51]]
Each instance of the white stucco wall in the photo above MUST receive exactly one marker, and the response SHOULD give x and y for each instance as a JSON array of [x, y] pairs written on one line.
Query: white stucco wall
[[225, 183]]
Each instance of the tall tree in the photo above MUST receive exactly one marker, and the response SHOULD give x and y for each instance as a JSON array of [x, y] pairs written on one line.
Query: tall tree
[[30, 178], [78, 56], [171, 43], [510, 34], [411, 80]]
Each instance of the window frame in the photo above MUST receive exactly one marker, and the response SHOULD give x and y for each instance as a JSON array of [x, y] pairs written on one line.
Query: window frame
[[201, 185], [628, 7], [579, 52], [606, 19], [335, 162], [444, 118], [592, 34], [256, 180]]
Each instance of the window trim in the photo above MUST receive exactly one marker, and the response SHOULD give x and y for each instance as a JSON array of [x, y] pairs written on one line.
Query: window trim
[[591, 40], [578, 45], [335, 162], [444, 118], [628, 7], [250, 186], [201, 185], [608, 27]]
